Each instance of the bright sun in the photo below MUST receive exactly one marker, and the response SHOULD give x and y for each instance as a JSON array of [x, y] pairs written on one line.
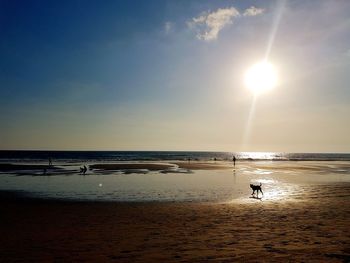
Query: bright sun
[[261, 77]]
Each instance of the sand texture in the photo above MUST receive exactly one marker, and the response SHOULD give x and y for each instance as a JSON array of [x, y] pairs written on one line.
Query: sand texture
[[313, 229]]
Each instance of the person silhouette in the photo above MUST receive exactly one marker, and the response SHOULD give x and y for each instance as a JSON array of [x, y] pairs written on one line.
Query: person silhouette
[[234, 161], [50, 161], [84, 170]]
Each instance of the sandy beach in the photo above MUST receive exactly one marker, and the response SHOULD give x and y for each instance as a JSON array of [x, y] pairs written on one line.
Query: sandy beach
[[302, 217], [313, 229]]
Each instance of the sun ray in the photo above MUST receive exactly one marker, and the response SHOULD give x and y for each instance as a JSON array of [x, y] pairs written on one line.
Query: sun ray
[[275, 25], [271, 39], [247, 133]]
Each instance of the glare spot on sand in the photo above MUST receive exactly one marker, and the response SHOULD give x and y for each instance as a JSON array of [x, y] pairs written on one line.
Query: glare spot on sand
[[274, 194], [100, 185], [260, 171], [273, 191], [267, 181]]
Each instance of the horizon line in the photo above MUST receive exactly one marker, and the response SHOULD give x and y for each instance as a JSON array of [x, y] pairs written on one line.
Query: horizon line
[[99, 150]]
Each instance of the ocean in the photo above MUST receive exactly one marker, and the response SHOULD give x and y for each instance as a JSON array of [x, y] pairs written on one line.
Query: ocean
[[110, 156]]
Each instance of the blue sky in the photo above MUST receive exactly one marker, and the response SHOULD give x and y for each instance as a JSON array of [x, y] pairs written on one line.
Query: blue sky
[[167, 75]]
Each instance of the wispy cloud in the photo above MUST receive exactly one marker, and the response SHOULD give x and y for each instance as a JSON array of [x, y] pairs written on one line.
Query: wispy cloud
[[253, 11], [168, 27], [209, 24]]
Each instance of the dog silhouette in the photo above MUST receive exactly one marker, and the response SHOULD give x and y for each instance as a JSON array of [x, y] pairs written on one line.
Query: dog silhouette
[[256, 188]]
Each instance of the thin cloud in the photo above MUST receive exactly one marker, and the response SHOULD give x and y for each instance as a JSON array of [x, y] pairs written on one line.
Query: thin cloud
[[209, 24], [168, 27], [347, 53], [253, 11]]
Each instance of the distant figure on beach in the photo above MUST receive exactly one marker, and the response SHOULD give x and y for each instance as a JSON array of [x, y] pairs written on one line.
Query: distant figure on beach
[[215, 159], [50, 161], [189, 160], [234, 161], [83, 170]]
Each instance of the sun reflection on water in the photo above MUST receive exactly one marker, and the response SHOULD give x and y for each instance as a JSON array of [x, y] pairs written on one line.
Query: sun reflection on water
[[259, 155], [273, 190], [274, 194], [278, 191]]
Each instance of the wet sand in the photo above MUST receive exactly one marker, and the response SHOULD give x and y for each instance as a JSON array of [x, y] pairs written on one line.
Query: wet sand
[[315, 228], [4, 167], [204, 165], [126, 166], [277, 166], [162, 166], [133, 167]]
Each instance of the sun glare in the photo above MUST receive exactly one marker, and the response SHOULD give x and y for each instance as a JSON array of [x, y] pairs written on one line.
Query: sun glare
[[261, 77]]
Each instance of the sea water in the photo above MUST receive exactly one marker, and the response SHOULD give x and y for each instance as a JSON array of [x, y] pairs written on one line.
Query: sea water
[[110, 156]]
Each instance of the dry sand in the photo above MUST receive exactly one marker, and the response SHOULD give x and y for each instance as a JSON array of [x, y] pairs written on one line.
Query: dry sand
[[313, 229]]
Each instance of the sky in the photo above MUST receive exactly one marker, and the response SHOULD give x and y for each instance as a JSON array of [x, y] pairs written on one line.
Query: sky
[[169, 75]]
